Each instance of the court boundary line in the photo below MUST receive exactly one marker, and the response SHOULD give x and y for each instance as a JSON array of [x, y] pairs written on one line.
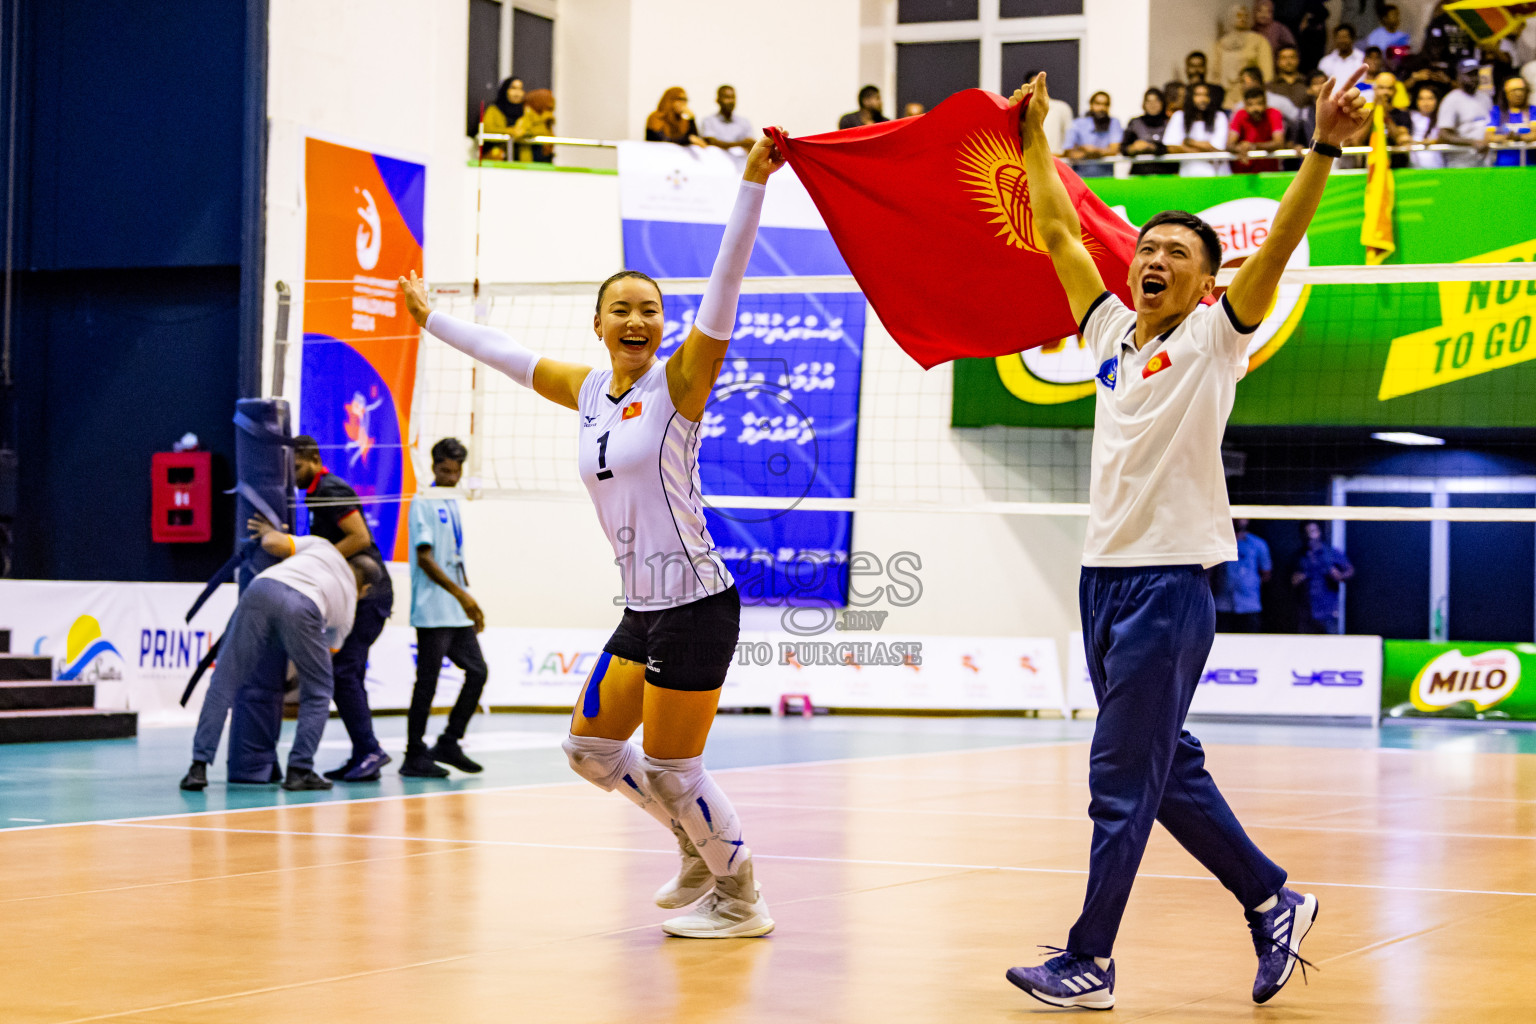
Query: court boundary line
[[865, 862], [533, 785]]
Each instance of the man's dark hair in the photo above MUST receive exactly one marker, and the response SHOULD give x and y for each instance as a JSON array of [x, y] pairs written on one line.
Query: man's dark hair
[[1254, 93], [1373, 49], [306, 447], [1253, 73], [621, 275], [1345, 26], [1184, 219], [449, 449], [1096, 95], [1284, 48], [1194, 53], [1388, 7], [367, 568], [868, 91], [1314, 76]]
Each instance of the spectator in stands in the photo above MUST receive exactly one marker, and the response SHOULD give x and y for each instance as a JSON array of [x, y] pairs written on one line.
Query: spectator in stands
[[1511, 122], [1463, 119], [501, 115], [1256, 127], [1340, 62], [1144, 135], [1174, 94], [1199, 128], [1433, 63], [1236, 585], [1320, 569], [1274, 33], [1289, 81], [1253, 79], [672, 121], [913, 110], [1422, 127], [726, 129], [1194, 71], [1310, 27], [1398, 124], [869, 111], [538, 119], [1093, 136], [1315, 83], [1389, 36], [1239, 48]]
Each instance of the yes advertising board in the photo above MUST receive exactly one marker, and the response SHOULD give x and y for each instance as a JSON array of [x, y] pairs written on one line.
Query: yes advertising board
[[1448, 354], [364, 229], [1270, 674], [1458, 680]]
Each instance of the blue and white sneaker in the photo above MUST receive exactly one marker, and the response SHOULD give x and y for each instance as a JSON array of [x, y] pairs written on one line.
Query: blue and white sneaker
[[1068, 980], [1277, 935]]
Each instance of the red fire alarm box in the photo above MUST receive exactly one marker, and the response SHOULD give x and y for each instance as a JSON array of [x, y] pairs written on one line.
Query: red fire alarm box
[[181, 496]]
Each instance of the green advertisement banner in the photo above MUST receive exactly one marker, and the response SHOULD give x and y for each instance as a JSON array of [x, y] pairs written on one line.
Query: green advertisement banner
[[1414, 355], [1462, 680]]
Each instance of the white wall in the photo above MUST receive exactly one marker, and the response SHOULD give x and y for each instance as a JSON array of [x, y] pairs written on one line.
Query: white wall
[[1114, 54], [794, 63]]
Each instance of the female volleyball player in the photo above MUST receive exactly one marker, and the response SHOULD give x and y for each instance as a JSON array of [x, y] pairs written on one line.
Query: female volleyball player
[[666, 662], [1157, 519]]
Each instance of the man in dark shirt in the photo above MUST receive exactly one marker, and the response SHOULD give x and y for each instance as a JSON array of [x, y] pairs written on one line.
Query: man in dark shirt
[[336, 514], [1320, 569], [869, 111]]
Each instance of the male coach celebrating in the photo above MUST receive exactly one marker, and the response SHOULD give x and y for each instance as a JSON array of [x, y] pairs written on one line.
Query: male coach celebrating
[[1158, 518]]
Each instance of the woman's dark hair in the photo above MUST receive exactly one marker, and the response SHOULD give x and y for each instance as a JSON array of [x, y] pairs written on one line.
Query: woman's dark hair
[[1193, 113], [1423, 88], [1183, 219], [449, 449], [619, 277]]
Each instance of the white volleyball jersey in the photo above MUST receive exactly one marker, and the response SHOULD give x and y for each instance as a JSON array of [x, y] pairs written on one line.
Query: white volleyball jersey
[[1158, 492], [639, 458]]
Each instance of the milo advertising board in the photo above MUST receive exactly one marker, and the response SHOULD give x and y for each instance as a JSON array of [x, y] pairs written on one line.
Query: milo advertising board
[[1410, 355], [1458, 680]]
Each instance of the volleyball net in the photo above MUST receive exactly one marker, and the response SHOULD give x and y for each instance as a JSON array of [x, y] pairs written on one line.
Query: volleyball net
[[1421, 378]]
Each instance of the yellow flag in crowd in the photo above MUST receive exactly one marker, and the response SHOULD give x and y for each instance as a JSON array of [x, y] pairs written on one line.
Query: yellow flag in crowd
[[1376, 229]]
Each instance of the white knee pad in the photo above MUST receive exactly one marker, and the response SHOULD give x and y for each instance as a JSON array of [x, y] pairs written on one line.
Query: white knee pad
[[602, 762], [690, 794]]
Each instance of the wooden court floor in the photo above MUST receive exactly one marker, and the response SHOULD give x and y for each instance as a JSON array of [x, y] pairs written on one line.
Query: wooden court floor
[[903, 887]]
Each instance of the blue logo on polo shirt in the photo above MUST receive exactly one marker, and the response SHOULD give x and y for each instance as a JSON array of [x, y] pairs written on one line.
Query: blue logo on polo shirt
[[442, 515], [1108, 372]]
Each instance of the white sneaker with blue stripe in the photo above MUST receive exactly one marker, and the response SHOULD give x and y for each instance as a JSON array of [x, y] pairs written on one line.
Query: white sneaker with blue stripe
[[1068, 980]]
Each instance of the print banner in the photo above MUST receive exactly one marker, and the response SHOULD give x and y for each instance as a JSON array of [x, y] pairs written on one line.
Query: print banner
[[363, 230]]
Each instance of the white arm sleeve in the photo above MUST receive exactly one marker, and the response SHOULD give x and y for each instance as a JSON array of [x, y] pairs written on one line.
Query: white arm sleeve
[[717, 310], [487, 344]]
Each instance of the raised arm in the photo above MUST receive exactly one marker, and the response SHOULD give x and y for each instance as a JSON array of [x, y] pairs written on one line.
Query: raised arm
[[1055, 217], [691, 372], [1340, 112], [559, 382]]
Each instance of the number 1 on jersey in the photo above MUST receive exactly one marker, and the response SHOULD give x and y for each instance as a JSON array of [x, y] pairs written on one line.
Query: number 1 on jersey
[[603, 472]]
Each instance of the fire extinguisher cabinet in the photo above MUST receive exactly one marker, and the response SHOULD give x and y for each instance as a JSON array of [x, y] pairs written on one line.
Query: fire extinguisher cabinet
[[181, 497]]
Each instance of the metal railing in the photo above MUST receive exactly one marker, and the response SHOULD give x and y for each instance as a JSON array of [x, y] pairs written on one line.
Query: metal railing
[[1218, 156]]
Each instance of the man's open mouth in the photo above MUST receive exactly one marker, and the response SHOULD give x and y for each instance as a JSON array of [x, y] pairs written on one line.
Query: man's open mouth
[[1153, 286]]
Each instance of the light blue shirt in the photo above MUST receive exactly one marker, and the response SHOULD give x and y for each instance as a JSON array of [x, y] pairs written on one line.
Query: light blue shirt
[[1384, 40], [435, 523], [1082, 133], [1241, 580]]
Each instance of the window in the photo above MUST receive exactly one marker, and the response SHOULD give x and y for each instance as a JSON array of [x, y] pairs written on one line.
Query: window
[[1056, 57], [484, 59], [929, 73], [1037, 8], [912, 11], [533, 49]]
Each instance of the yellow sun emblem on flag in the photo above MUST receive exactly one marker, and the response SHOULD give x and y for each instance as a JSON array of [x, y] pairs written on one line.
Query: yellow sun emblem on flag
[[992, 169]]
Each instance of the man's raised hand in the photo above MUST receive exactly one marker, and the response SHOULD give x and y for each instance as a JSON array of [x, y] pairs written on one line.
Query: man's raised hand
[[1032, 121], [1341, 111], [417, 302]]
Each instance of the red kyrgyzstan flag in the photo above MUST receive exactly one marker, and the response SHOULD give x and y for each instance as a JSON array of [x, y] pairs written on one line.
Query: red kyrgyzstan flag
[[932, 215]]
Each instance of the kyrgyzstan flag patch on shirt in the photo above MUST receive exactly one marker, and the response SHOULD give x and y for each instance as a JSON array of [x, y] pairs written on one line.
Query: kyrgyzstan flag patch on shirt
[[631, 411], [1156, 364]]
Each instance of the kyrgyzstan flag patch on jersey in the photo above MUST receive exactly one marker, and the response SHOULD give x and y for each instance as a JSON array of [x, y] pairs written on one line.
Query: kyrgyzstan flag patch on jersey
[[631, 411], [1156, 364]]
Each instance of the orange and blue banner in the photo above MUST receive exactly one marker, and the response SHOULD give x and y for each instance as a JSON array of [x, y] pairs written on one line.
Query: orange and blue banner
[[364, 228]]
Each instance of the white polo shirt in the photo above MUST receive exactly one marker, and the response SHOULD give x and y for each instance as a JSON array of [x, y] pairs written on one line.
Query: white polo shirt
[[1158, 493], [319, 572]]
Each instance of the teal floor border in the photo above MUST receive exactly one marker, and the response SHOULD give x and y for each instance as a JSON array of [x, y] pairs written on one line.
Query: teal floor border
[[48, 784]]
